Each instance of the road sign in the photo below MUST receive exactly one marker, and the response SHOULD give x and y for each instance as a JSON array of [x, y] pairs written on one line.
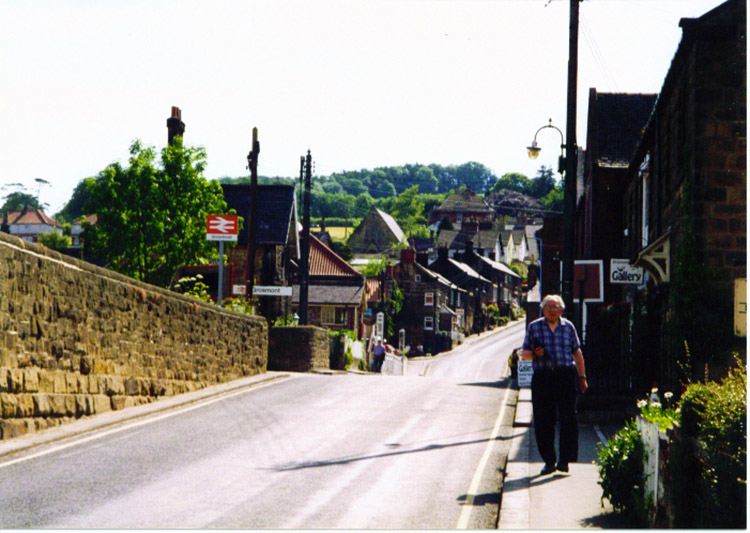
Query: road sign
[[379, 323], [271, 290], [525, 372], [222, 227]]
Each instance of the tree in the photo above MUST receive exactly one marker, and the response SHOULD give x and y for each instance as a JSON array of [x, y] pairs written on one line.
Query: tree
[[554, 201], [17, 201], [542, 184], [512, 181], [76, 206], [54, 240], [152, 220], [408, 208]]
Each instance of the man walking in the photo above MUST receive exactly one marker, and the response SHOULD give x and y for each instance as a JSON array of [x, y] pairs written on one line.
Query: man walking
[[559, 373]]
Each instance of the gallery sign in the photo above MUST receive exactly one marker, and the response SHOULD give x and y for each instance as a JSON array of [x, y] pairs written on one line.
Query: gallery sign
[[622, 272]]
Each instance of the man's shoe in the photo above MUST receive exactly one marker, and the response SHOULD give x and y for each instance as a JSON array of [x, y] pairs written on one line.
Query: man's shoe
[[548, 469], [562, 467]]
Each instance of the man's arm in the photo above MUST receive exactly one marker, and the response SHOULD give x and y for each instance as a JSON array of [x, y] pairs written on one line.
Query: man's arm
[[581, 368]]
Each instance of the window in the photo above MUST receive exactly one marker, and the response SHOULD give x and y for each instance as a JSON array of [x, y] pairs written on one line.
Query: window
[[417, 277], [327, 315], [333, 315], [429, 298], [428, 323]]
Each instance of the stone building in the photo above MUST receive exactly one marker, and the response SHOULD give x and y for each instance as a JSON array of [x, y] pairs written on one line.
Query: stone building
[[685, 206], [377, 234]]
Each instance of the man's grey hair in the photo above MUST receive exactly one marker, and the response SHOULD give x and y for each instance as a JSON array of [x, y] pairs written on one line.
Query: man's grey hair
[[550, 298]]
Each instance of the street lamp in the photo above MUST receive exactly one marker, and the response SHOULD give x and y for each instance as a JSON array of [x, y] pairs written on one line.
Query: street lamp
[[534, 148]]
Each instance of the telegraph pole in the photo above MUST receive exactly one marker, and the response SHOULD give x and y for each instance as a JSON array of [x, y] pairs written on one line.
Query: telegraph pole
[[571, 164], [252, 163], [304, 282]]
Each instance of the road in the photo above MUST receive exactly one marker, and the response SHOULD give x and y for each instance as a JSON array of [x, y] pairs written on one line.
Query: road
[[306, 451]]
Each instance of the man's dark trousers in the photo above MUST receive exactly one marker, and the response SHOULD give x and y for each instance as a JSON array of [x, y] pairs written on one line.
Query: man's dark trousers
[[554, 394]]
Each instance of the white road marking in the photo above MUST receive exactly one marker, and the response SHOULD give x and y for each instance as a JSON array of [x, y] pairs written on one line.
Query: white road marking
[[463, 521]]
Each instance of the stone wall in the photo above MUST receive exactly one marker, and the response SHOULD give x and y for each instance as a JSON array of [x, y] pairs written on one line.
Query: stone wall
[[298, 348], [78, 340]]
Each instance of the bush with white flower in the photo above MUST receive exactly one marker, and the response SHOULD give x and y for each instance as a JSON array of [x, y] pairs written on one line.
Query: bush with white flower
[[665, 414]]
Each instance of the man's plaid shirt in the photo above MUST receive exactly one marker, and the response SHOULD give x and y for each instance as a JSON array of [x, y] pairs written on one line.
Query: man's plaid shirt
[[559, 346]]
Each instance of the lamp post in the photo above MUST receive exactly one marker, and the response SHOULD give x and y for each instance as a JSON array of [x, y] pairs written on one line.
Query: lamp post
[[569, 161]]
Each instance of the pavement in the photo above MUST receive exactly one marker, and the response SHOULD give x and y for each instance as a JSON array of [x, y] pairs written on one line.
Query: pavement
[[560, 501]]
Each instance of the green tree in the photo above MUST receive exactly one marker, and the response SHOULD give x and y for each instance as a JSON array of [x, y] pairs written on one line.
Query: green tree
[[152, 220], [18, 200], [54, 240], [408, 208], [542, 184], [77, 205], [555, 199], [512, 181]]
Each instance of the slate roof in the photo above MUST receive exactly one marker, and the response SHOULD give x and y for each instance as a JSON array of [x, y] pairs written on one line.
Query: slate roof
[[531, 243], [392, 224], [620, 121], [331, 294], [497, 265], [437, 277], [276, 209], [457, 239]]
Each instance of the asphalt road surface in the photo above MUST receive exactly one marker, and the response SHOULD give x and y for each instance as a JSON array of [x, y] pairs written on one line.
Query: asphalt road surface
[[307, 451]]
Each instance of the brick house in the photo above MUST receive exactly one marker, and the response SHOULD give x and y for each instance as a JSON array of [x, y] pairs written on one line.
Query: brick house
[[484, 234], [478, 288], [428, 313], [506, 284], [685, 205], [337, 297], [614, 128]]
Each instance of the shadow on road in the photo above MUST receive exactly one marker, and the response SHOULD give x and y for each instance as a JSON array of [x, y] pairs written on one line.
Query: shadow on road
[[356, 458]]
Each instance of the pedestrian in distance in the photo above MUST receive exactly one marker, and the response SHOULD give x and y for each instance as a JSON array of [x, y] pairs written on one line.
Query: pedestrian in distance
[[378, 353], [559, 375]]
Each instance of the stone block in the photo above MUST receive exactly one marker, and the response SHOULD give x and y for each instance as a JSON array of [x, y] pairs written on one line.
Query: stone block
[[100, 403], [30, 380], [4, 376], [71, 382], [82, 384], [132, 387], [11, 428], [42, 404], [8, 405], [122, 402], [25, 407], [15, 380]]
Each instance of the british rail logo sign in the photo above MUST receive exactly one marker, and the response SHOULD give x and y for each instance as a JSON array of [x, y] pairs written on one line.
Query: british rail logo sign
[[222, 227]]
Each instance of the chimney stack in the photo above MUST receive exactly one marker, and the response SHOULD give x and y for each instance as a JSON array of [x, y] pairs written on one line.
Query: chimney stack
[[408, 256], [175, 125]]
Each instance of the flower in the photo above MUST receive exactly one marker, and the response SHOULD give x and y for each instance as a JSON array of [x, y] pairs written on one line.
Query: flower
[[641, 404], [668, 395]]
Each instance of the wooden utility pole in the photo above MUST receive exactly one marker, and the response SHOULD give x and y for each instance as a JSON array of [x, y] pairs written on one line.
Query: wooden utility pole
[[304, 282], [252, 163], [571, 165]]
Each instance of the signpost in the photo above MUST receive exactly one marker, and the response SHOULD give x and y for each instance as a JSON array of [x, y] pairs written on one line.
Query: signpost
[[221, 228], [379, 323], [525, 372]]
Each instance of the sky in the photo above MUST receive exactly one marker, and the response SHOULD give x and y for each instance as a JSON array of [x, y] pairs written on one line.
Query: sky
[[360, 83]]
